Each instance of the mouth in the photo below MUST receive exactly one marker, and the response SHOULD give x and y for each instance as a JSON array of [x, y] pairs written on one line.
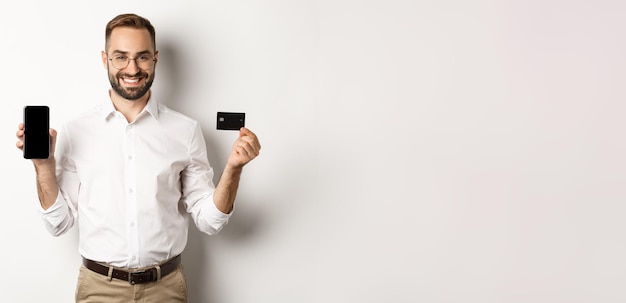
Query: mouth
[[131, 81], [131, 86]]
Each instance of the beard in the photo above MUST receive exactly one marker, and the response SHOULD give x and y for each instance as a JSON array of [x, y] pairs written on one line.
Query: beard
[[132, 93]]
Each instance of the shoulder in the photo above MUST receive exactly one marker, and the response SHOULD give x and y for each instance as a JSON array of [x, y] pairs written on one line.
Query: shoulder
[[87, 117], [173, 117]]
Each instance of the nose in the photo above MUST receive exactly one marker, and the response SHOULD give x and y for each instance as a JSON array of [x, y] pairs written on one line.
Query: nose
[[132, 66]]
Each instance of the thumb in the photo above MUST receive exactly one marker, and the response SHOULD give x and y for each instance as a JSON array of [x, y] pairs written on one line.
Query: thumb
[[53, 139], [243, 131]]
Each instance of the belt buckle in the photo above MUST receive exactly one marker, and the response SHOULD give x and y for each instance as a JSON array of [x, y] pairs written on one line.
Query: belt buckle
[[141, 277]]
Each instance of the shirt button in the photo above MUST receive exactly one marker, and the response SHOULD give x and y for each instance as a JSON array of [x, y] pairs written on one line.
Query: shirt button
[[130, 157], [130, 190]]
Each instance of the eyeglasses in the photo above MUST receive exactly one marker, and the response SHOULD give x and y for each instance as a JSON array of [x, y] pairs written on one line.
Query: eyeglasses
[[145, 61]]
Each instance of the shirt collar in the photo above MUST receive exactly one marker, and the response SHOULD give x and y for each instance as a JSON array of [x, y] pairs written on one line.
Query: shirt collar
[[107, 109], [152, 107]]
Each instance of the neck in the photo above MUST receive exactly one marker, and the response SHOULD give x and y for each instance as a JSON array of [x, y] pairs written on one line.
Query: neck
[[129, 108]]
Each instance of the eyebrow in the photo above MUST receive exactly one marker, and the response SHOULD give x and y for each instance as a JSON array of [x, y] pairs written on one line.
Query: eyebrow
[[126, 53]]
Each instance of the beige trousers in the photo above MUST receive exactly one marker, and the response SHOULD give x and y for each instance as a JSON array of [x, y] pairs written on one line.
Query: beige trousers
[[96, 288]]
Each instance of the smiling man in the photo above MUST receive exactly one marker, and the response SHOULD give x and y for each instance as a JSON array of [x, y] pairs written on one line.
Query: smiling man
[[130, 59], [132, 173]]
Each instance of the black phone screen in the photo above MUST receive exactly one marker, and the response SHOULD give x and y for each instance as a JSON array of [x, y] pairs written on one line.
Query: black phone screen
[[36, 132]]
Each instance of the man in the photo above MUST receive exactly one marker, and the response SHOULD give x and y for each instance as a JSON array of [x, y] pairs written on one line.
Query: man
[[130, 173]]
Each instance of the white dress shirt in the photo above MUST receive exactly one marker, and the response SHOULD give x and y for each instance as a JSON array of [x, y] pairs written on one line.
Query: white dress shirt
[[132, 187]]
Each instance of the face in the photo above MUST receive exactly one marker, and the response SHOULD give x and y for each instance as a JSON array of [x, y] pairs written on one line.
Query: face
[[133, 81]]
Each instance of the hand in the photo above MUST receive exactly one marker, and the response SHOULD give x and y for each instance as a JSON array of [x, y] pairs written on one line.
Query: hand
[[20, 144], [245, 149]]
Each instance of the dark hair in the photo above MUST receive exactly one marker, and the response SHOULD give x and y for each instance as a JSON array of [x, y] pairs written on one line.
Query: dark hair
[[129, 20]]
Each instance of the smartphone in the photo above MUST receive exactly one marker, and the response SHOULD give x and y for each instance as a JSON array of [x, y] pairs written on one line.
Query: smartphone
[[36, 132], [230, 121]]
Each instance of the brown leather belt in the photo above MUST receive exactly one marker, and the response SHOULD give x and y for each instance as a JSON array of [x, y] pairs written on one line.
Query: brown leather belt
[[135, 277]]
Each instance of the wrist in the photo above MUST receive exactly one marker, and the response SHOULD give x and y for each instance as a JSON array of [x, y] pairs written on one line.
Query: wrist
[[43, 166], [233, 169]]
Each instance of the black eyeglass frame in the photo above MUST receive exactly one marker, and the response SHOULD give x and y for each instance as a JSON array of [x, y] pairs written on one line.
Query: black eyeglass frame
[[153, 60]]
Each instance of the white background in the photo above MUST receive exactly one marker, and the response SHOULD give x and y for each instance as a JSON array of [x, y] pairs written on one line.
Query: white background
[[413, 151]]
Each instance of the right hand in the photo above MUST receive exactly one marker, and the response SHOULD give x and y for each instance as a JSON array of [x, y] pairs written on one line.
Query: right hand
[[20, 144]]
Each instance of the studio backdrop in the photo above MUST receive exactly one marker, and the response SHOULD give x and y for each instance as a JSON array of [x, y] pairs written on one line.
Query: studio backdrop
[[413, 151]]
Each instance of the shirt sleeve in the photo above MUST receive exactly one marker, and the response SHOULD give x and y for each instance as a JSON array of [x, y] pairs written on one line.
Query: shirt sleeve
[[198, 188], [60, 217]]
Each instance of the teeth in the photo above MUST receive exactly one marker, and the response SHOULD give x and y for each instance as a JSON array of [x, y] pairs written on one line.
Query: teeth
[[131, 80]]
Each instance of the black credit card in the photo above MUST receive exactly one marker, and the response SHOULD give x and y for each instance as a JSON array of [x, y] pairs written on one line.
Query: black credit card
[[230, 121]]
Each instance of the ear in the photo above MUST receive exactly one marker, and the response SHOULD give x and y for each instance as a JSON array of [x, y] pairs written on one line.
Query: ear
[[104, 59], [156, 57]]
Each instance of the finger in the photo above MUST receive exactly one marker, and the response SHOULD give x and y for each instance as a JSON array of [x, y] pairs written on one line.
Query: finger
[[248, 140], [250, 151], [251, 138], [246, 132], [20, 136], [254, 143], [240, 148], [20, 131], [53, 139]]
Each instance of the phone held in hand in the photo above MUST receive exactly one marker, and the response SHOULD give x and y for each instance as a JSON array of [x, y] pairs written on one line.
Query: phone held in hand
[[36, 132]]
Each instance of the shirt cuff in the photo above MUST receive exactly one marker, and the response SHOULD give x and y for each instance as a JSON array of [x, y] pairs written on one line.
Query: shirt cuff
[[213, 219], [56, 213], [216, 213]]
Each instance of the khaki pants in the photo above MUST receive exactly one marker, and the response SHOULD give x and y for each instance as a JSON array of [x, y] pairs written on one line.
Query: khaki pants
[[96, 288]]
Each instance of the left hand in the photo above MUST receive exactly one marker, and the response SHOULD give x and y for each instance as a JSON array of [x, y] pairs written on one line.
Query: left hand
[[245, 149]]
